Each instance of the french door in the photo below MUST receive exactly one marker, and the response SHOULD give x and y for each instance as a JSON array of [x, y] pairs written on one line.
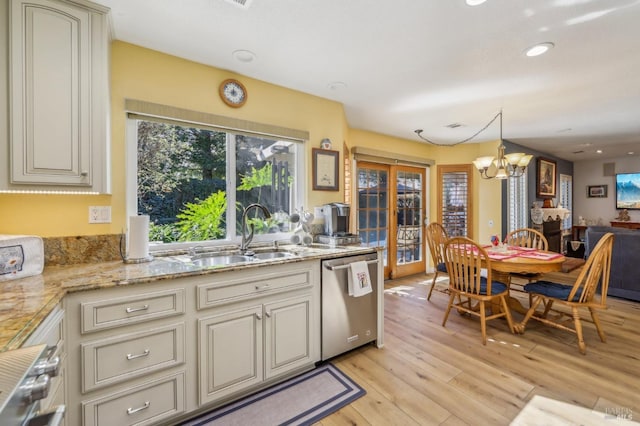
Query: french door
[[390, 214], [408, 223]]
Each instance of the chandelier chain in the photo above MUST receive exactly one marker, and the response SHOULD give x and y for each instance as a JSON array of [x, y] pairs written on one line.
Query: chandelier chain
[[499, 114]]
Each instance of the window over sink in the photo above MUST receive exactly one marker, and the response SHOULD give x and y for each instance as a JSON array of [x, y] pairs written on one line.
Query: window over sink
[[194, 179]]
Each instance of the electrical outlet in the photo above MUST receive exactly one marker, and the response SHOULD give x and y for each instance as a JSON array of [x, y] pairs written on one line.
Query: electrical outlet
[[99, 214]]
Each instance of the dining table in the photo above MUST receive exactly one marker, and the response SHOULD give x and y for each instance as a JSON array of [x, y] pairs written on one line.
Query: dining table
[[507, 260]]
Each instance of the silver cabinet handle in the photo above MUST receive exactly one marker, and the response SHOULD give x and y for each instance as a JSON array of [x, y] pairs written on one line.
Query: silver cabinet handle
[[143, 354], [135, 410], [142, 308], [264, 287], [268, 314], [259, 316]]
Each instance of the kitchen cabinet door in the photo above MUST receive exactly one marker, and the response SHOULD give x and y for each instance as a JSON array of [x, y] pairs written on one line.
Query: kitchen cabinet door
[[230, 352], [58, 96], [289, 338]]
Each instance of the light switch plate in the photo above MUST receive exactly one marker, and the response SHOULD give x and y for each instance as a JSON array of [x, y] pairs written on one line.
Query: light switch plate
[[99, 214]]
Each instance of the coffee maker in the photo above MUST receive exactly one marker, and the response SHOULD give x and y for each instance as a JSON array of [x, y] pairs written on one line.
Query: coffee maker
[[336, 219]]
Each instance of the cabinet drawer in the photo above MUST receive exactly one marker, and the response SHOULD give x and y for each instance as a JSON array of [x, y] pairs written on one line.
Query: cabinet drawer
[[239, 287], [128, 310], [141, 405], [120, 358]]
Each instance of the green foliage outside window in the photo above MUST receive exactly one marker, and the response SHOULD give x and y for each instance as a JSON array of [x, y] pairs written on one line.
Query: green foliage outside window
[[183, 174]]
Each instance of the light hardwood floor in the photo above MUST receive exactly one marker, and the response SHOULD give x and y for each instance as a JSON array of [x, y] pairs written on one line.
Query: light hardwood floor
[[429, 374]]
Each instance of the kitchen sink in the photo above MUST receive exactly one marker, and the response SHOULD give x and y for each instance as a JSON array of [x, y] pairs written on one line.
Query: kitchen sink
[[221, 260], [273, 255], [226, 259]]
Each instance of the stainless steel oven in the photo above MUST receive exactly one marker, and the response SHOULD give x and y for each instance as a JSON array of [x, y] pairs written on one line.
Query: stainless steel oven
[[25, 375]]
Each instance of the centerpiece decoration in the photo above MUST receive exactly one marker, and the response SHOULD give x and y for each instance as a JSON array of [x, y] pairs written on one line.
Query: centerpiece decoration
[[497, 244]]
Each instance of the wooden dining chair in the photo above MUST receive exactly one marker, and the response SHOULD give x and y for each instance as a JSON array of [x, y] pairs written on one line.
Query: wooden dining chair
[[589, 291], [436, 237], [530, 238], [464, 259], [527, 237]]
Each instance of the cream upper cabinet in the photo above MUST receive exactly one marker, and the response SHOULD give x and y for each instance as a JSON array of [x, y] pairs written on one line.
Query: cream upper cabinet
[[58, 114]]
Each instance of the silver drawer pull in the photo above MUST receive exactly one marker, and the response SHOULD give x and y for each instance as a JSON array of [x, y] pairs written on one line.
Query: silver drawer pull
[[135, 410], [263, 287], [143, 308], [143, 354]]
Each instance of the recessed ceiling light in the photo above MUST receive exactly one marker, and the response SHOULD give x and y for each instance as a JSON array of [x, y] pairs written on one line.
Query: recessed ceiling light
[[538, 49], [630, 153], [475, 2], [244, 55], [598, 151]]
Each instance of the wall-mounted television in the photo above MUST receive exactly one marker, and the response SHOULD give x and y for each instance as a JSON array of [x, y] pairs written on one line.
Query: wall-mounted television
[[628, 191]]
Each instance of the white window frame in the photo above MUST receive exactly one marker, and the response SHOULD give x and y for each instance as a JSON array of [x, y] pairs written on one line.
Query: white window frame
[[131, 161]]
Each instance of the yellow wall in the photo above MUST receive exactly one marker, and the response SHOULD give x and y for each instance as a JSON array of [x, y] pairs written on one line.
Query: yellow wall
[[143, 74], [486, 193]]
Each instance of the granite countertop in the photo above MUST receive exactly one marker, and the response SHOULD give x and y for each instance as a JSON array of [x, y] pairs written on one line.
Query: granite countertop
[[26, 302]]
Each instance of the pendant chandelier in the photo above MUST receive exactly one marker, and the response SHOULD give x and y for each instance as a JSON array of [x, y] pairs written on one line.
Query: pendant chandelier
[[502, 167], [506, 165]]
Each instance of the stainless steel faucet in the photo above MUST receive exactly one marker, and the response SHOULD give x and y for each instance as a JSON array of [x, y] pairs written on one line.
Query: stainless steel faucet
[[246, 240]]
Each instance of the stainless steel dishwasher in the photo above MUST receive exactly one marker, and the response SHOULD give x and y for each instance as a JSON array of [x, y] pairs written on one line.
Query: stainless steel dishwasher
[[347, 321]]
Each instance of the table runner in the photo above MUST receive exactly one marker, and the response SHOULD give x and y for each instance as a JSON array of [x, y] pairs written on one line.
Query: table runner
[[515, 251]]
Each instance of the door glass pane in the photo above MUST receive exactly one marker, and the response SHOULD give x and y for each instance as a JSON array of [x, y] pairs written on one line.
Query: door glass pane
[[371, 187], [409, 205]]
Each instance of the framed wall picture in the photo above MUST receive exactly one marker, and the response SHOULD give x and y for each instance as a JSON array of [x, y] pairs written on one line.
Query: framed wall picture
[[325, 169], [597, 191], [546, 178]]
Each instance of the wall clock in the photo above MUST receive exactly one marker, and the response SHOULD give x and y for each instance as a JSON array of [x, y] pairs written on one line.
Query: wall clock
[[233, 93]]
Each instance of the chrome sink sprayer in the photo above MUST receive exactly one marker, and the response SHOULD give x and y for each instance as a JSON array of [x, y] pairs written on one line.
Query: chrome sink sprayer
[[246, 240]]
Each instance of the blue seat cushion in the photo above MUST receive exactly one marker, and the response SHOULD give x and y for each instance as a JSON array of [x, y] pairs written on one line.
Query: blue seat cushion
[[441, 267], [551, 289], [496, 287]]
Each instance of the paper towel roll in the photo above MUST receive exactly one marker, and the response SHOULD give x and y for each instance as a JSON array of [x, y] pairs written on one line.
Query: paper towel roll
[[138, 237]]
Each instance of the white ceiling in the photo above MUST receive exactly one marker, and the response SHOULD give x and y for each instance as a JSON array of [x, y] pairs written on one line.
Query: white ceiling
[[426, 64]]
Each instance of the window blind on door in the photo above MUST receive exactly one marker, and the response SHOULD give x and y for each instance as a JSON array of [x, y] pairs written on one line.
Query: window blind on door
[[454, 213]]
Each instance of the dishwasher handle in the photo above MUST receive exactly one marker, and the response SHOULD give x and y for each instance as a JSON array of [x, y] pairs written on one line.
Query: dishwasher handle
[[345, 266]]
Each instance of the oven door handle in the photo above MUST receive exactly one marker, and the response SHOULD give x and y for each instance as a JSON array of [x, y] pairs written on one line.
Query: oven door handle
[[345, 266]]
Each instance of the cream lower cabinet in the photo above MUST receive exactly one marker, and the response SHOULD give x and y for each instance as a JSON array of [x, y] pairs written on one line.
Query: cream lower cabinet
[[152, 353], [243, 348], [127, 355], [260, 328]]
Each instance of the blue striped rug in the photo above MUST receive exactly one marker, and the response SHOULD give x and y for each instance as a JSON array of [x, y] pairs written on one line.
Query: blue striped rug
[[302, 400]]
